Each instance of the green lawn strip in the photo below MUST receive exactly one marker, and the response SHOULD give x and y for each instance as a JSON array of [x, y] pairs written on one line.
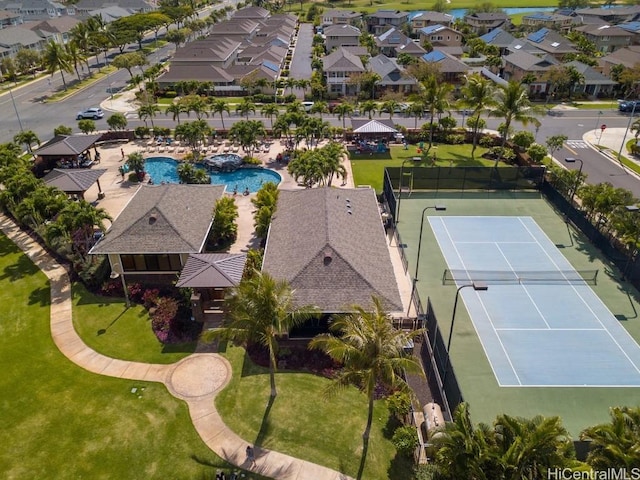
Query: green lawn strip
[[368, 169], [404, 5], [60, 421], [73, 88], [578, 407], [630, 164], [109, 328], [612, 105], [304, 423]]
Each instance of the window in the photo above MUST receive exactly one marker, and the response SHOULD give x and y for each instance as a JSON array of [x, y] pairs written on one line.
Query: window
[[151, 263]]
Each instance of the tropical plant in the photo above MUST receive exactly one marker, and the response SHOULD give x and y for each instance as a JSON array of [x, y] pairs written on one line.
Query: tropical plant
[[195, 104], [265, 202], [189, 174], [342, 110], [390, 107], [27, 137], [248, 133], [435, 96], [224, 229], [371, 351], [478, 94], [269, 110], [193, 133], [62, 130], [368, 107], [117, 121], [245, 107], [55, 58], [219, 106], [175, 108], [135, 162], [261, 310], [148, 111], [320, 107]]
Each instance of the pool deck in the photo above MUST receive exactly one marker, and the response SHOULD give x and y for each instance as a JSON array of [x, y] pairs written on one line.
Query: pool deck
[[118, 192]]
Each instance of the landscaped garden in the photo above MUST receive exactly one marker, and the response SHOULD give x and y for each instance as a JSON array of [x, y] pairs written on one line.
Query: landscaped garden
[[60, 421], [368, 169]]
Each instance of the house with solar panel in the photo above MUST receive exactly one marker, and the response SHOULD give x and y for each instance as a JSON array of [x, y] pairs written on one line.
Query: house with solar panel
[[498, 38], [551, 42], [451, 69], [382, 20], [484, 22], [440, 36], [393, 77], [424, 19], [390, 40], [555, 21], [606, 38]]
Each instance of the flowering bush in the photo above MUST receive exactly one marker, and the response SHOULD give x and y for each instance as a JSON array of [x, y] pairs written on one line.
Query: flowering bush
[[150, 297], [112, 288], [163, 318], [135, 292]]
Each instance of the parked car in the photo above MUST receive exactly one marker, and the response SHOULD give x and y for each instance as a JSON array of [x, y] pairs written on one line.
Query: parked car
[[307, 106], [94, 113], [629, 106]]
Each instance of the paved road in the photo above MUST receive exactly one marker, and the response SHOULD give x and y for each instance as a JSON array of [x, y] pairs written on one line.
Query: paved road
[[301, 61]]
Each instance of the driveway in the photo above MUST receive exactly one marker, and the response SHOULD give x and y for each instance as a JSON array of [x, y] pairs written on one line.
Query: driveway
[[301, 62]]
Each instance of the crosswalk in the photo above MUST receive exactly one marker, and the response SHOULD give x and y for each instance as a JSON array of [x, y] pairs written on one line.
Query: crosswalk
[[577, 144]]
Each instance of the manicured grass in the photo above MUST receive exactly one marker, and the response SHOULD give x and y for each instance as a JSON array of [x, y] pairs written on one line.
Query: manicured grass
[[60, 421], [107, 326], [304, 423], [369, 169], [628, 163], [611, 105]]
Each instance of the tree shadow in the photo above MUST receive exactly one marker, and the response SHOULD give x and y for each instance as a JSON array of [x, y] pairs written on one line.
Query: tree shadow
[[40, 296], [265, 426], [102, 331], [390, 427], [400, 468]]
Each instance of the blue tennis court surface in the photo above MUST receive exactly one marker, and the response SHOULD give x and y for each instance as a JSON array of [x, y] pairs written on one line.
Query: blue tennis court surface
[[547, 335]]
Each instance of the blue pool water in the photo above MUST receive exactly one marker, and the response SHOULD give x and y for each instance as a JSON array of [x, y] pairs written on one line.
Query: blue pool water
[[165, 169]]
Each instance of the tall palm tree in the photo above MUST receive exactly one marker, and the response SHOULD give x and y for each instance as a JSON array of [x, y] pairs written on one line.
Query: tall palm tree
[[195, 104], [478, 94], [342, 110], [219, 106], [148, 111], [261, 310], [248, 133], [369, 107], [320, 107], [371, 351], [435, 97], [28, 137], [512, 103], [269, 110], [175, 109], [245, 107], [615, 444], [390, 106], [74, 55], [55, 58], [81, 36]]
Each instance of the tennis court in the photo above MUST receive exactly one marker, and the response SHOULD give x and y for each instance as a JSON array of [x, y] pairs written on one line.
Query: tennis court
[[534, 332]]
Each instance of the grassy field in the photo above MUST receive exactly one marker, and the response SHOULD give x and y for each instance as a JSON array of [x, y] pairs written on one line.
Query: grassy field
[[62, 422], [369, 169], [578, 407], [304, 423]]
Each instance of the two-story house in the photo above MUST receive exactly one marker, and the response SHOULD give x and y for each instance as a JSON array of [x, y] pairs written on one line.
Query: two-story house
[[8, 19], [498, 38], [451, 69], [388, 41], [341, 36], [393, 77], [483, 22], [382, 20], [551, 42], [57, 29], [519, 64], [424, 19], [86, 7], [555, 21], [607, 38], [440, 36], [341, 17], [339, 67], [611, 16]]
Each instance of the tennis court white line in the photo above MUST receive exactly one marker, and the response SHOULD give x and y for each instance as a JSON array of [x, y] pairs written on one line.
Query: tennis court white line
[[535, 305], [624, 352], [526, 329], [479, 243], [504, 350]]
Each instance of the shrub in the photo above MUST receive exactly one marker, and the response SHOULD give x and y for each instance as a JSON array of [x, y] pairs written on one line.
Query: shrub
[[142, 132], [486, 141], [112, 288], [252, 161], [163, 317], [454, 139], [150, 297], [135, 292], [290, 98], [171, 94], [405, 439], [399, 404]]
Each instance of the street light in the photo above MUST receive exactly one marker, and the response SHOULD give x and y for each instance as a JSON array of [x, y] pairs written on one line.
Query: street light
[[15, 108], [477, 286], [437, 208], [412, 159], [631, 209], [115, 274], [574, 160]]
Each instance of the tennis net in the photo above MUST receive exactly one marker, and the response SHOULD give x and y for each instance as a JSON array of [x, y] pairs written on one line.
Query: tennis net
[[507, 277]]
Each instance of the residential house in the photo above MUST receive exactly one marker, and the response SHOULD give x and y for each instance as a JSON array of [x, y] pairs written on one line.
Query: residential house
[[238, 29], [611, 16], [382, 20], [13, 39], [152, 238], [555, 21], [551, 42], [440, 36], [218, 52], [483, 22], [522, 45], [634, 29], [411, 48], [595, 84], [424, 19], [339, 67], [388, 41], [57, 29], [9, 19], [252, 13], [86, 7], [519, 64], [628, 57], [109, 14], [606, 38], [341, 36], [499, 38], [451, 69], [393, 77], [315, 244], [38, 9], [341, 17]]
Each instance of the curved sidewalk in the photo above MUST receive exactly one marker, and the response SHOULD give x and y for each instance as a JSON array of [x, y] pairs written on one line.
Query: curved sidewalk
[[196, 379]]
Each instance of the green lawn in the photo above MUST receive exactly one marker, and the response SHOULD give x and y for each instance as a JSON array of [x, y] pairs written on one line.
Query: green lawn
[[611, 105], [113, 330], [304, 423], [369, 169], [59, 421]]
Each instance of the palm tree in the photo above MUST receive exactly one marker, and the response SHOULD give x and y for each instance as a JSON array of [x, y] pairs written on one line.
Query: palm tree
[[478, 94], [193, 132], [150, 110], [416, 110], [81, 36], [135, 162], [320, 107], [261, 310], [390, 106], [615, 444], [512, 103], [175, 109], [436, 100], [245, 107], [219, 106], [248, 133], [342, 110], [28, 137], [196, 104], [269, 110], [55, 58], [74, 55], [290, 83], [369, 107], [371, 351]]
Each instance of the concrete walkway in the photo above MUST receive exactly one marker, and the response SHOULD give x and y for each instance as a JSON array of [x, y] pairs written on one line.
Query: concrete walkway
[[196, 379]]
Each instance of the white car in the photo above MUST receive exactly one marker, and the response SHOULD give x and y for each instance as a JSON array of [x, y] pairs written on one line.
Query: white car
[[307, 106], [94, 113]]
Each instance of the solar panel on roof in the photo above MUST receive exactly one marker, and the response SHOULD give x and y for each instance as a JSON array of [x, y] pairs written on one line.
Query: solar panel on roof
[[434, 56], [491, 36], [270, 65], [538, 36]]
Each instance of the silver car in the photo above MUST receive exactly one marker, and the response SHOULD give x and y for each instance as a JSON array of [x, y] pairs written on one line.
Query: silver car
[[94, 113]]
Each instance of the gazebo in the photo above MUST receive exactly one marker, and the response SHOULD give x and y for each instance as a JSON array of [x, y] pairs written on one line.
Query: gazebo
[[66, 149], [380, 132], [75, 182]]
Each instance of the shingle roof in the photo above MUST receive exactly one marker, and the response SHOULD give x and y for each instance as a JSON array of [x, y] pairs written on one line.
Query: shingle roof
[[335, 13], [207, 50], [604, 31], [448, 63], [550, 41], [434, 17], [330, 245], [167, 218], [390, 72], [68, 145], [206, 270], [498, 37], [251, 12], [342, 31], [531, 63], [591, 76], [429, 29], [73, 181], [201, 72], [342, 60], [388, 14]]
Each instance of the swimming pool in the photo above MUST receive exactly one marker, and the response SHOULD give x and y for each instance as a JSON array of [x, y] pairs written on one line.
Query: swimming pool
[[165, 169]]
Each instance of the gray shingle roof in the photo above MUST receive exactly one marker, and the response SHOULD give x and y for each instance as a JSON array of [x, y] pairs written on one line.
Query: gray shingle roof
[[591, 76], [342, 60], [530, 63], [73, 181], [163, 219], [342, 31], [68, 145], [206, 270], [330, 245], [390, 72]]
